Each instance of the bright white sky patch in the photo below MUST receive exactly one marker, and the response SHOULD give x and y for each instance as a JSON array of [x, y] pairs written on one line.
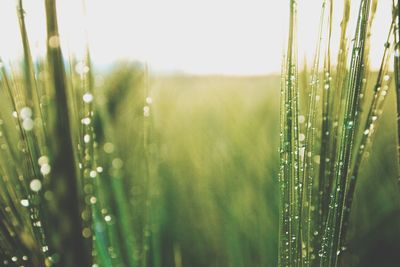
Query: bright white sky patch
[[195, 36]]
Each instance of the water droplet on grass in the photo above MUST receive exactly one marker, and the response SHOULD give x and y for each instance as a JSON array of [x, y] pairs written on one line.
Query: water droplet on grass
[[81, 68], [25, 202], [85, 121], [43, 160], [87, 97], [45, 169], [54, 41], [27, 124], [349, 124], [93, 200], [26, 113], [146, 111], [86, 138], [86, 232], [35, 185]]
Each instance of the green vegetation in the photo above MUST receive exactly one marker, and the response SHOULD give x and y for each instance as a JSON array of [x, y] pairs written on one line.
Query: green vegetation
[[321, 160], [129, 168]]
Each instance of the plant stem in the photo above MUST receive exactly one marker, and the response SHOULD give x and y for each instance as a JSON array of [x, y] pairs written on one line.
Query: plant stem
[[74, 249]]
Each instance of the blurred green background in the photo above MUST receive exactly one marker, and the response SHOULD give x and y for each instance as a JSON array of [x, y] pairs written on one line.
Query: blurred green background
[[201, 157]]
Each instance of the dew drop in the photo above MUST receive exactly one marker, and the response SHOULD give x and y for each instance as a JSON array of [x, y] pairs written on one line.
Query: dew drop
[[85, 121], [81, 68], [93, 174], [149, 100], [146, 111], [43, 160], [93, 200], [86, 232], [87, 97], [25, 202], [35, 185], [26, 113], [45, 169], [54, 41], [86, 138], [349, 124], [27, 124]]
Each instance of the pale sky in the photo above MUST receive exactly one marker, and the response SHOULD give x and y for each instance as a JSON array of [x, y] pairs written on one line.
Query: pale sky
[[194, 36]]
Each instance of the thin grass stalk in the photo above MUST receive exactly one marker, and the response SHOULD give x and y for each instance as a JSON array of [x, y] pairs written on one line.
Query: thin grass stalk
[[365, 80], [32, 90], [308, 162], [396, 11], [327, 118], [75, 249], [146, 137], [329, 250], [290, 153], [336, 102], [379, 95], [283, 259]]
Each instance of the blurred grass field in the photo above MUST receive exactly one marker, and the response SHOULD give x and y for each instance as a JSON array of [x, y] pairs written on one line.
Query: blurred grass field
[[122, 166], [212, 151]]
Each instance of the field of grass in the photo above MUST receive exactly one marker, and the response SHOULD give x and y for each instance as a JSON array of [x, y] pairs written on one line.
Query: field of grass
[[129, 167], [214, 147]]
